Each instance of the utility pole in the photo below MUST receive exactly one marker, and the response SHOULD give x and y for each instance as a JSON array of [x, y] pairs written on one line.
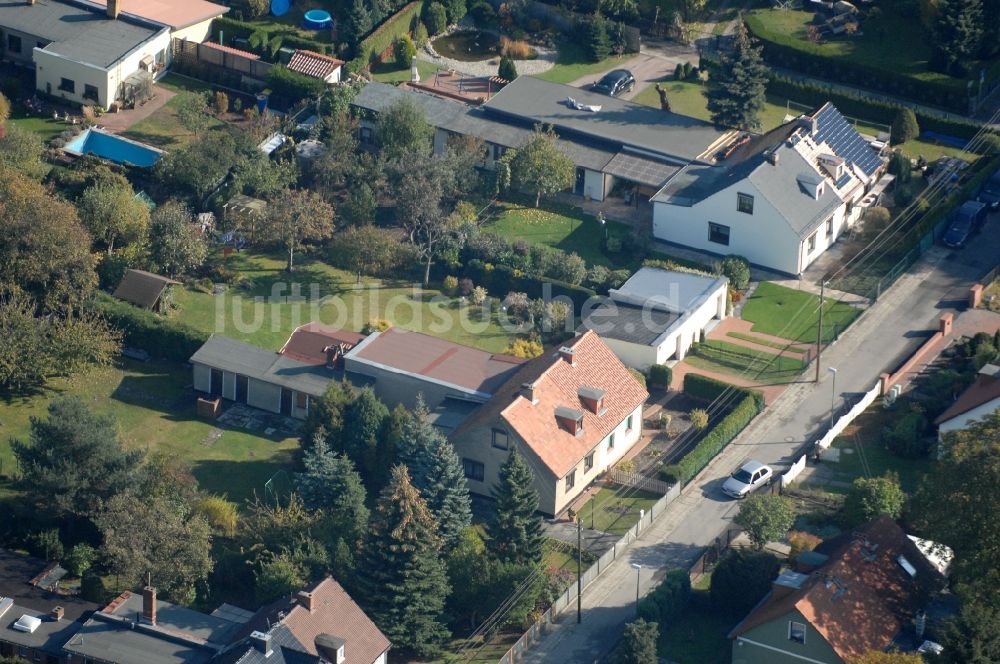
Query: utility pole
[[579, 572], [819, 331], [592, 511]]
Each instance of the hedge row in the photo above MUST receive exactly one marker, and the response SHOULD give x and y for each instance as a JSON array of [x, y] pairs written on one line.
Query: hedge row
[[231, 27], [863, 108], [789, 56], [503, 279], [710, 389], [143, 329], [713, 442], [667, 602], [399, 24], [984, 168]]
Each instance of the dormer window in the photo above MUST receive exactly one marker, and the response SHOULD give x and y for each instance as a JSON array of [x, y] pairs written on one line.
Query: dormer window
[[569, 419], [592, 399]]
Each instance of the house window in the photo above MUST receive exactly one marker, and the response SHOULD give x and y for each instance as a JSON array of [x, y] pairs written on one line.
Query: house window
[[498, 151], [744, 203], [500, 439], [588, 463], [66, 85], [13, 43], [611, 442], [628, 423], [301, 400], [811, 244], [718, 233], [829, 227], [366, 136], [571, 479], [796, 632], [474, 470], [90, 92]]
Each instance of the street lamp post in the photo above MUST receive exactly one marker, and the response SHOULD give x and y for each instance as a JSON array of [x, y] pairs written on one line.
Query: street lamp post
[[833, 395], [638, 570]]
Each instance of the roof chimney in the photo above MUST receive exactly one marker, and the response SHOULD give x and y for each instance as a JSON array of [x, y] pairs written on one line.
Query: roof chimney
[[530, 392], [306, 600], [566, 354], [772, 157], [114, 8], [261, 642], [149, 604], [58, 613], [330, 648]]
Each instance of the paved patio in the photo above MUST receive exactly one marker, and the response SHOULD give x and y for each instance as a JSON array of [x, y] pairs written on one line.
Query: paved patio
[[123, 120]]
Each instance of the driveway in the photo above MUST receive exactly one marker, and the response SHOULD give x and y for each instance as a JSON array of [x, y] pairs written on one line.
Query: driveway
[[648, 68]]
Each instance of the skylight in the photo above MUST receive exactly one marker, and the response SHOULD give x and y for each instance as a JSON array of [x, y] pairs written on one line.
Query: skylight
[[907, 566]]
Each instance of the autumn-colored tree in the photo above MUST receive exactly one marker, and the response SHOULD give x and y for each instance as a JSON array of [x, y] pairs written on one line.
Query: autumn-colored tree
[[880, 657], [296, 216]]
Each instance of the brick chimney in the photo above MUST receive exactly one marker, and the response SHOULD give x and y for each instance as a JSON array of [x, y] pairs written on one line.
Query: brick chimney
[[306, 600], [149, 604], [114, 8], [566, 354], [58, 613]]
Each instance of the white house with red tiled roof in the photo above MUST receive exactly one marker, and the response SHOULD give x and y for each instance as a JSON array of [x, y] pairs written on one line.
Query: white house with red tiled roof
[[571, 413], [316, 65], [976, 402]]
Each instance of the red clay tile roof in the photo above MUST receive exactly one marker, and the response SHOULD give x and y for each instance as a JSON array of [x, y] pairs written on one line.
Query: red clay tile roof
[[142, 288], [230, 49], [878, 599], [437, 359], [334, 613], [313, 64], [985, 389], [175, 13], [556, 384], [307, 342]]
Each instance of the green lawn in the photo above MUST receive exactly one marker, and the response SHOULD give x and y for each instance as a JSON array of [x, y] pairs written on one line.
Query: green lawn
[[761, 341], [697, 637], [865, 433], [155, 409], [615, 514], [714, 355], [794, 314], [343, 305], [388, 72], [46, 128], [162, 129], [572, 64]]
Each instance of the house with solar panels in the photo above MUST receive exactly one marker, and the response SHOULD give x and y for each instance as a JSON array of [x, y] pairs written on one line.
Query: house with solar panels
[[779, 199]]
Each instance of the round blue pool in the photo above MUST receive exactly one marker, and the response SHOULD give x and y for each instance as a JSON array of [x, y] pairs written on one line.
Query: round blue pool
[[316, 19]]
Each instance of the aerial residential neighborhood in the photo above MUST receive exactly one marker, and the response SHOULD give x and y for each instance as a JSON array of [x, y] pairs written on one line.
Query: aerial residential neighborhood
[[482, 332]]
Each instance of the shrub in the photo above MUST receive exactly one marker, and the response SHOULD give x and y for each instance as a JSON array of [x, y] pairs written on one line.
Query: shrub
[[435, 18], [661, 375], [257, 8], [870, 498], [741, 579], [404, 51], [455, 10], [714, 441], [699, 419], [478, 294], [668, 600], [525, 348], [379, 41], [420, 35], [289, 87], [80, 558], [159, 336], [483, 14], [376, 325], [220, 101], [450, 285], [516, 49], [222, 515], [710, 389], [737, 270], [876, 219], [904, 126], [507, 69], [679, 72], [638, 375], [799, 541], [598, 277], [906, 438]]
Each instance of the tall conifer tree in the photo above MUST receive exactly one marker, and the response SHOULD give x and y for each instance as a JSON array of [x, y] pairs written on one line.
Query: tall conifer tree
[[515, 532], [736, 86]]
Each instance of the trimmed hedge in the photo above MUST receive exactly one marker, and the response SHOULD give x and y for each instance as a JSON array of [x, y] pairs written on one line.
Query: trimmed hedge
[[289, 87], [143, 329], [661, 374], [713, 442], [710, 389], [667, 602], [503, 279], [863, 108], [384, 36]]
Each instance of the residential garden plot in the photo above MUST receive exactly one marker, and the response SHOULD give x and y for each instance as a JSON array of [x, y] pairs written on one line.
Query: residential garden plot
[[163, 129], [761, 341], [388, 72], [613, 513], [572, 64], [768, 368], [697, 637], [794, 314], [269, 321], [155, 410]]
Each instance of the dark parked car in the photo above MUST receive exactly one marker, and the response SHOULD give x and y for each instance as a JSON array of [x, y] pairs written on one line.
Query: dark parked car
[[990, 193], [964, 222], [615, 82]]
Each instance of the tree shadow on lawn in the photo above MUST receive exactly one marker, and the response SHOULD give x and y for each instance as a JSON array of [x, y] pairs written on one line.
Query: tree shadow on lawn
[[240, 480], [156, 140]]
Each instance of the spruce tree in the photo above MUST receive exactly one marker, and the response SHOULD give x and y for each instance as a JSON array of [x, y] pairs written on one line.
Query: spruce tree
[[736, 87], [507, 70], [515, 532], [364, 419], [437, 473], [358, 24], [332, 484], [957, 34], [401, 577], [904, 126]]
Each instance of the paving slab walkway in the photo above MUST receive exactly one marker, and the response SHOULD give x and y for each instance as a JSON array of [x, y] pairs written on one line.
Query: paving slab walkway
[[123, 120]]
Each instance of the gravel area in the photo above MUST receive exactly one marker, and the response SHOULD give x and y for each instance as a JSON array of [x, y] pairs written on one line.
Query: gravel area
[[545, 61]]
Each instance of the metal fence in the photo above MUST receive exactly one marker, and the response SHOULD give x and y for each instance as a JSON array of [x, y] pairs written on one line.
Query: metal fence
[[541, 626]]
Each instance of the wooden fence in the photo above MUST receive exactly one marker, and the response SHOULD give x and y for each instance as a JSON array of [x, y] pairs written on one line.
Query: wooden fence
[[638, 481], [207, 55]]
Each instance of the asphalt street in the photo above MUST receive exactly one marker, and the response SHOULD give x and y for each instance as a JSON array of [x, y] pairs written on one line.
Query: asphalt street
[[886, 333]]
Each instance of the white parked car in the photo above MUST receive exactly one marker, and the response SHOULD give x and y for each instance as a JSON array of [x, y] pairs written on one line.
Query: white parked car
[[751, 475]]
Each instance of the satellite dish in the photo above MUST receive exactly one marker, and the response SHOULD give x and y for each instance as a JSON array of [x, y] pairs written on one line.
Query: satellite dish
[[280, 7]]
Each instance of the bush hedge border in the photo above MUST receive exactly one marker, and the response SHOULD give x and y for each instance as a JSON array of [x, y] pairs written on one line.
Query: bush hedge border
[[153, 333], [394, 27]]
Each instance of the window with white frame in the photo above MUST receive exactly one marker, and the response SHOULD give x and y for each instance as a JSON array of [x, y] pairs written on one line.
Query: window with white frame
[[571, 479], [811, 244], [588, 463]]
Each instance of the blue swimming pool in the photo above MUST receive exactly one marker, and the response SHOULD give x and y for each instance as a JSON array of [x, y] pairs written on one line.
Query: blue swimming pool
[[317, 19], [113, 148]]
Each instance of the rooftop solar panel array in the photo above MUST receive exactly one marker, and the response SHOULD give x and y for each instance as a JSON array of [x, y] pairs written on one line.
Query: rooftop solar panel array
[[845, 140], [844, 179]]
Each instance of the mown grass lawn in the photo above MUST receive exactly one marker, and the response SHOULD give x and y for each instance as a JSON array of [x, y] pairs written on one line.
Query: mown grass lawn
[[332, 297], [768, 368], [794, 314], [615, 514], [163, 129], [698, 636], [46, 128], [572, 63], [388, 72], [155, 409], [862, 454]]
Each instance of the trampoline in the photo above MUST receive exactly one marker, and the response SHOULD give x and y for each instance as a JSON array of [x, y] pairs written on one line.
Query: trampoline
[[316, 19]]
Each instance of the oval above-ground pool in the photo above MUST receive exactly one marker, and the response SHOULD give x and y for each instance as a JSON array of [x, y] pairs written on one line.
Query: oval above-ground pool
[[317, 19], [113, 148], [280, 7]]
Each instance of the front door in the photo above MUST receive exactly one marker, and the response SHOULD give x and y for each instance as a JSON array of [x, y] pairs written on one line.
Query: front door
[[286, 401], [581, 178], [215, 389], [242, 387]]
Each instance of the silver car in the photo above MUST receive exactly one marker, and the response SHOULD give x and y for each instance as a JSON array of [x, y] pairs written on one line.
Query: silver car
[[751, 475]]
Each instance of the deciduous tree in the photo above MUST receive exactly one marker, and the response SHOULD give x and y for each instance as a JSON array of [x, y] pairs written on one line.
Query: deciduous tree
[[870, 498], [973, 636], [514, 534], [176, 246], [540, 166], [21, 149], [296, 216], [402, 130], [881, 657], [113, 214], [741, 579], [368, 250], [736, 88], [957, 34], [765, 518]]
